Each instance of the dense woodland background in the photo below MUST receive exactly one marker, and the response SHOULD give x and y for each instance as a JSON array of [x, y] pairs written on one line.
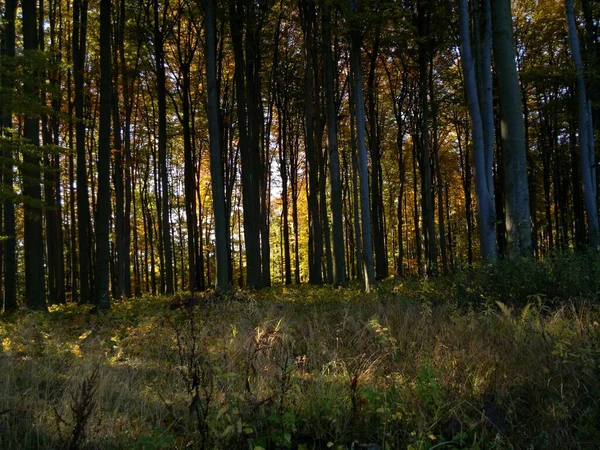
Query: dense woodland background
[[175, 145]]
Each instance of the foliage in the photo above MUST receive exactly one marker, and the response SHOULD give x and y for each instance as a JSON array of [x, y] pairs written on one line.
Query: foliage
[[550, 282], [307, 367]]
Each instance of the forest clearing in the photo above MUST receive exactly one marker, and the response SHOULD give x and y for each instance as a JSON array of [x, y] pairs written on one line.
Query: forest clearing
[[414, 364]]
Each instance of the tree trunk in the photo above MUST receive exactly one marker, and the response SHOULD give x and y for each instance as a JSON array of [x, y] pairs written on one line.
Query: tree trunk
[[438, 172], [222, 276], [424, 161], [161, 88], [355, 190], [102, 294], [35, 292], [483, 185], [587, 158], [248, 149], [7, 50], [80, 8], [356, 70], [315, 232], [339, 273], [381, 269], [516, 193]]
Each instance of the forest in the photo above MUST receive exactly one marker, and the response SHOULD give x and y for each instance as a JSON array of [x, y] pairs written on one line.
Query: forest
[[265, 224]]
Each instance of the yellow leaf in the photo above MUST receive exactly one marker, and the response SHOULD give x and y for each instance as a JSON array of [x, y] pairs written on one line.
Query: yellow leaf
[[85, 335]]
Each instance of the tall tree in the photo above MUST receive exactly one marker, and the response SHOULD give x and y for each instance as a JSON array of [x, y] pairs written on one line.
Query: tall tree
[[423, 27], [482, 157], [7, 51], [334, 160], [514, 152], [187, 40], [315, 251], [216, 170], [374, 138], [587, 157], [356, 70], [51, 136], [79, 40], [102, 267], [247, 96], [35, 292], [160, 23]]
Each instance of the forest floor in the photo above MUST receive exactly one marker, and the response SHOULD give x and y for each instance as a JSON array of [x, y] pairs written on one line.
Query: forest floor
[[503, 357]]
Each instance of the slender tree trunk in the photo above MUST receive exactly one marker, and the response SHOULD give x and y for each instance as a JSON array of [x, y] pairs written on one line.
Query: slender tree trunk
[[248, 145], [424, 161], [50, 134], [315, 230], [159, 29], [74, 274], [102, 278], [438, 172], [355, 191], [121, 158], [35, 292], [418, 249], [7, 50], [283, 145], [190, 179], [80, 8], [339, 273], [398, 99], [119, 189], [465, 168], [294, 186], [381, 269], [356, 70], [222, 277]]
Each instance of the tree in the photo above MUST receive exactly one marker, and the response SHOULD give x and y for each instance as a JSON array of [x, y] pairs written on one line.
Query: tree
[[482, 156], [187, 40], [514, 152], [356, 70], [35, 292], [101, 291], [334, 161], [222, 277], [247, 88], [424, 49], [587, 157], [80, 8], [160, 26], [7, 51], [315, 251]]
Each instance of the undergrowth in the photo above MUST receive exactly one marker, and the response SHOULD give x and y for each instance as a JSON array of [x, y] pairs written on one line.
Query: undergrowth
[[498, 357]]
